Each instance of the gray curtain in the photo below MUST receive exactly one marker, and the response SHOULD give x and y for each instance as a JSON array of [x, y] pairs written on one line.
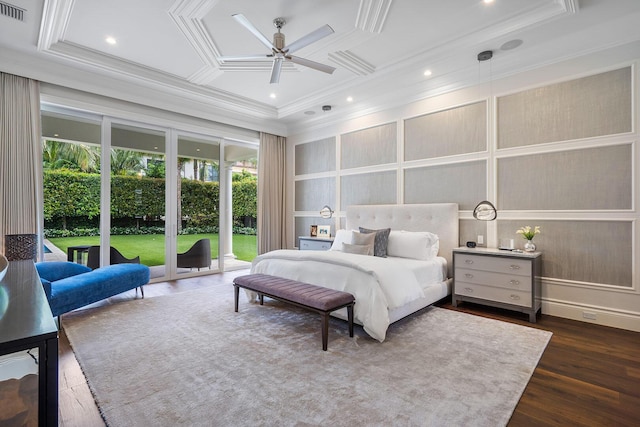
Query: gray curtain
[[271, 193], [20, 158]]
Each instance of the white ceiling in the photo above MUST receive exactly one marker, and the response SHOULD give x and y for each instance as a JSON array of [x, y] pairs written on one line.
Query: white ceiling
[[167, 51]]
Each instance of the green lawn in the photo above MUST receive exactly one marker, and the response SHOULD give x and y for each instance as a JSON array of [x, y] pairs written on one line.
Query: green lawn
[[150, 247]]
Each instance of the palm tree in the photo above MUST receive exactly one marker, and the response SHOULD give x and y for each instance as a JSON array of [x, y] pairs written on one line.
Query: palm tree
[[126, 162], [73, 156]]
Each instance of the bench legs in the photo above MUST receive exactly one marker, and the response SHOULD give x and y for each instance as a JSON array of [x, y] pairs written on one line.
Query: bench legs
[[325, 325], [325, 316]]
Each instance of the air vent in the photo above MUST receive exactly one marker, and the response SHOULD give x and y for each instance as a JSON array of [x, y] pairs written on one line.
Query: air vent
[[11, 11]]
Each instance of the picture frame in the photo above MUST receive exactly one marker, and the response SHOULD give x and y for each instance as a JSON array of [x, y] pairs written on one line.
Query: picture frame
[[324, 231], [313, 232]]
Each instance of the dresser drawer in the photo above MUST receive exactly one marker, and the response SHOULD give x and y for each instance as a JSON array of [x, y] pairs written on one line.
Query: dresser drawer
[[489, 278], [314, 245], [495, 264], [508, 296]]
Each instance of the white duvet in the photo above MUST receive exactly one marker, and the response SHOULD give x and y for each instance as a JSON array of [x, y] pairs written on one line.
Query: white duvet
[[378, 284]]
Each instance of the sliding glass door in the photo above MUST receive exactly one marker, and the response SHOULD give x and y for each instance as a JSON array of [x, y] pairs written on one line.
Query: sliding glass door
[[198, 203], [182, 203], [138, 187]]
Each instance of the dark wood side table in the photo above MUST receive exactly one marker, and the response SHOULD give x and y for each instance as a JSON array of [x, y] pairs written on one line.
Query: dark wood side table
[[28, 333], [79, 252]]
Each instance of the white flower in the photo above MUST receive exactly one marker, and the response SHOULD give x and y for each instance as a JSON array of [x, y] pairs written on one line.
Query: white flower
[[527, 232]]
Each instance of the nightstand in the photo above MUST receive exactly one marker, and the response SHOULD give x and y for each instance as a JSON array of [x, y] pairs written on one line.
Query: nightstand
[[498, 278], [308, 243]]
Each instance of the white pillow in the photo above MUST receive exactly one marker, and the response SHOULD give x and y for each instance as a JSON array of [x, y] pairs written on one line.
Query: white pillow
[[411, 244], [342, 236]]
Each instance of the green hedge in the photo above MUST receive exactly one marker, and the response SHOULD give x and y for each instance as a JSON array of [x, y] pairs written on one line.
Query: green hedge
[[130, 231], [75, 197]]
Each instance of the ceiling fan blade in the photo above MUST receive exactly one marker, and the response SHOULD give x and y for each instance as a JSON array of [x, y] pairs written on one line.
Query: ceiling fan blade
[[313, 36], [311, 64], [275, 70], [256, 57], [249, 26]]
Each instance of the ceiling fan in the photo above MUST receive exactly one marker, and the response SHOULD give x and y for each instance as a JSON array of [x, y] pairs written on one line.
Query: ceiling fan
[[279, 51]]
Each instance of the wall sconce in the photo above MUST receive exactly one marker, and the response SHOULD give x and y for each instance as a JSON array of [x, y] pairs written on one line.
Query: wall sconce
[[326, 212], [485, 211]]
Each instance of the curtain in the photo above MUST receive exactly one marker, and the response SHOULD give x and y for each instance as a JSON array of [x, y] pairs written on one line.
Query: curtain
[[20, 158], [271, 193]]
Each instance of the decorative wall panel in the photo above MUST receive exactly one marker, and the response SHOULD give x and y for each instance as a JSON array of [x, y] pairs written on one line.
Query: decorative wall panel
[[369, 147], [445, 133], [593, 178], [316, 156], [582, 251], [470, 229], [582, 108], [368, 189], [461, 183], [313, 194]]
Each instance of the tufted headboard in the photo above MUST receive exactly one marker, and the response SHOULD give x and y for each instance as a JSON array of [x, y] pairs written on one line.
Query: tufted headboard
[[438, 218]]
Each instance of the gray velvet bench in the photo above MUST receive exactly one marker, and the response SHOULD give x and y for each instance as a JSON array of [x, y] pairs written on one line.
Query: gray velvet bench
[[305, 295]]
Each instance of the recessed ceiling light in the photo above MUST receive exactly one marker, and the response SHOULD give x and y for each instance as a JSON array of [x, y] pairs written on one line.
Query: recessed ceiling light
[[110, 40], [272, 96], [488, 1], [511, 44], [427, 73], [349, 98], [56, 135]]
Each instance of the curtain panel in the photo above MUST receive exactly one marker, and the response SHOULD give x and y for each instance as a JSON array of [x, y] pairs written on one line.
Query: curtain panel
[[271, 193], [20, 158]]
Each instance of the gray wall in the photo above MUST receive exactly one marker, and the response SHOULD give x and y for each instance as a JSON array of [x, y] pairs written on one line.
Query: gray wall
[[556, 160]]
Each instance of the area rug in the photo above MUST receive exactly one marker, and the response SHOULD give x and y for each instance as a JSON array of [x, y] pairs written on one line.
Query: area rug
[[189, 359]]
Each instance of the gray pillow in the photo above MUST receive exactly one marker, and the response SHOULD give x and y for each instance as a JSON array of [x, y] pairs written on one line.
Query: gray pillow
[[381, 240], [363, 239], [357, 249]]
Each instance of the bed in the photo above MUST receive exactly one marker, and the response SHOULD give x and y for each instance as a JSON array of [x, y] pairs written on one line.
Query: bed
[[386, 289]]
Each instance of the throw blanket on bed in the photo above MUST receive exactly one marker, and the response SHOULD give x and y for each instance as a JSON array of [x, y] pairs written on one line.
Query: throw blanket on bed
[[378, 284]]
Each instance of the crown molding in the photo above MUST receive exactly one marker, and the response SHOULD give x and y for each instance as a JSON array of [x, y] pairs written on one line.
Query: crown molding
[[352, 62], [372, 15]]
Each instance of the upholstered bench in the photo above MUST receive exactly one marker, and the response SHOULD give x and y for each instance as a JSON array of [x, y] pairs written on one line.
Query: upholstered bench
[[305, 295], [69, 285]]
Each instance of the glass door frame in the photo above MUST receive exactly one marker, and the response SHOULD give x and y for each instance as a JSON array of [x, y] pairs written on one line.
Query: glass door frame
[[171, 134], [105, 187]]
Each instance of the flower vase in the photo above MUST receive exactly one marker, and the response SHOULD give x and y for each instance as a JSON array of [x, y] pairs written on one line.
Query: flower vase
[[529, 246]]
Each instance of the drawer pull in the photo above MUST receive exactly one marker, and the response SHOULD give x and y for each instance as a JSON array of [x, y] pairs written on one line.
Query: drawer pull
[[514, 267], [514, 282], [468, 275], [468, 261], [514, 297], [470, 290]]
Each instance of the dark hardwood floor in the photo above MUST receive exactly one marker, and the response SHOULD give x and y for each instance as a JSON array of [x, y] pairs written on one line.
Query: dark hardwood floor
[[589, 375]]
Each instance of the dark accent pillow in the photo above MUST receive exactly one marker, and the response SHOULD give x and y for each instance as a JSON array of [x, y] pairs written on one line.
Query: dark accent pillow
[[380, 242]]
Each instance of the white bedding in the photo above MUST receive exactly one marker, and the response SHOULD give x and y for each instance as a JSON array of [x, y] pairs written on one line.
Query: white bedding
[[379, 285]]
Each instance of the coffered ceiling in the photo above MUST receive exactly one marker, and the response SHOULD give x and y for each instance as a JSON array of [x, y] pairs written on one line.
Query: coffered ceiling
[[167, 53]]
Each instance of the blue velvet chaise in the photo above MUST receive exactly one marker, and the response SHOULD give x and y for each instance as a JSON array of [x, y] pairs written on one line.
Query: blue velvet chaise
[[70, 286]]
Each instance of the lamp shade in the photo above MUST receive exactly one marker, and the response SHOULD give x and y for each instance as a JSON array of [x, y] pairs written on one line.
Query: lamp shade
[[485, 211]]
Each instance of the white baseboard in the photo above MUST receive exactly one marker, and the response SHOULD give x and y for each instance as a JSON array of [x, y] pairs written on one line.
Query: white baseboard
[[595, 315]]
